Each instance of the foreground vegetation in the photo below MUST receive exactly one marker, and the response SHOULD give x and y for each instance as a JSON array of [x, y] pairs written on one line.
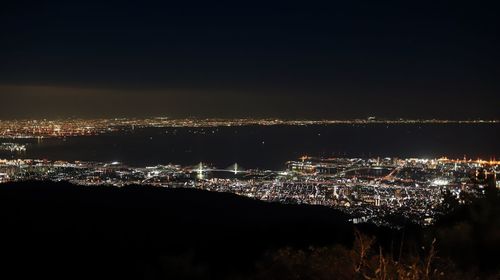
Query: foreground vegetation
[[463, 245]]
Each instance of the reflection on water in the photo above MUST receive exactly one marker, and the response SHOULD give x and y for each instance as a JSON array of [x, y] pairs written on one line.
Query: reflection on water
[[268, 147]]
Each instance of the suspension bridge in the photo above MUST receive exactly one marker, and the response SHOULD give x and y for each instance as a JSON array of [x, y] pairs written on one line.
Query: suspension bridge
[[234, 168]]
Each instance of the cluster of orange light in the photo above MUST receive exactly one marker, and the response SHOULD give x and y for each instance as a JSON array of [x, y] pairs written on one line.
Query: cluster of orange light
[[465, 160]]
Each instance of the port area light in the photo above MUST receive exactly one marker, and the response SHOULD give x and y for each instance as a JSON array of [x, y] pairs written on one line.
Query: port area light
[[439, 182], [112, 163]]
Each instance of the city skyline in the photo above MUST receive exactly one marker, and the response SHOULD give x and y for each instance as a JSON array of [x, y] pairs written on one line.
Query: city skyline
[[367, 189], [250, 139]]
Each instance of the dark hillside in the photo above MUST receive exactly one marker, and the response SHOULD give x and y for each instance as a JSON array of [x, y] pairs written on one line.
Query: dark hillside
[[60, 230], [126, 230]]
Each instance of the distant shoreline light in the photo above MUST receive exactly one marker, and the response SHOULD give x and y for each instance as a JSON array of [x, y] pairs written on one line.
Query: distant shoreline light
[[88, 127]]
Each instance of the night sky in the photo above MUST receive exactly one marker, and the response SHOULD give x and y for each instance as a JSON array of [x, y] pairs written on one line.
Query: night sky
[[344, 59]]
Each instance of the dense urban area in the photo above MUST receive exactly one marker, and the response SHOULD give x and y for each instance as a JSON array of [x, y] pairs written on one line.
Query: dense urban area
[[369, 189], [82, 127], [376, 190]]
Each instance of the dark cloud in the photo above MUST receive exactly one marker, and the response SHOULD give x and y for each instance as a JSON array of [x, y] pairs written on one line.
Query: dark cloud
[[55, 102], [342, 59]]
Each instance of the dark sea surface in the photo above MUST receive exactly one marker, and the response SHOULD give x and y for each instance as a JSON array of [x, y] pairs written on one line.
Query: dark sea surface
[[269, 147]]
